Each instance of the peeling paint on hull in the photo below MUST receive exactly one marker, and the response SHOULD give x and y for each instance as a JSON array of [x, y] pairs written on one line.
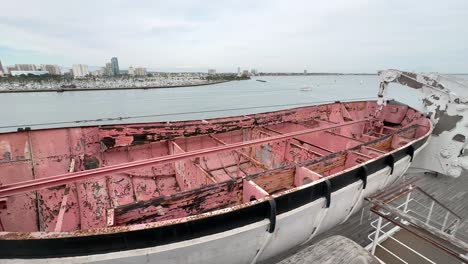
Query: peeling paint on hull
[[199, 190]]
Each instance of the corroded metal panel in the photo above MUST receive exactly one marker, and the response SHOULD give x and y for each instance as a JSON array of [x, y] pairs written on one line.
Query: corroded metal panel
[[181, 169], [22, 208]]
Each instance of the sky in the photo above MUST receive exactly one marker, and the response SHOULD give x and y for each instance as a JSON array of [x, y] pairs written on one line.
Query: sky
[[268, 35]]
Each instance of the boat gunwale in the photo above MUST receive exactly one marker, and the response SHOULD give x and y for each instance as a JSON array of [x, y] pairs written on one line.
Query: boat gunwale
[[196, 121], [41, 235]]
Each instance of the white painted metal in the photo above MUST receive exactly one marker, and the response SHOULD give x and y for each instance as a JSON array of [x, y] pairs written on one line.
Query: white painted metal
[[379, 235], [448, 147], [445, 220], [376, 236], [430, 212], [408, 197]]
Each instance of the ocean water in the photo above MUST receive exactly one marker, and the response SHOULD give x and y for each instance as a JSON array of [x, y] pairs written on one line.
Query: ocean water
[[43, 110]]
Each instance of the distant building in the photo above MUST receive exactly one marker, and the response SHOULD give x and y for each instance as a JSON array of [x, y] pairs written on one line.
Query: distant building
[[245, 73], [80, 70], [68, 73], [97, 73], [18, 73], [131, 70], [211, 72], [108, 71], [25, 67], [52, 69], [305, 72], [238, 71], [11, 68], [115, 66], [140, 71], [1, 69], [254, 71], [103, 70]]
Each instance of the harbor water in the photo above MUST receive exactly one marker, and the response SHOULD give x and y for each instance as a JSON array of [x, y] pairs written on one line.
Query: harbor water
[[52, 109]]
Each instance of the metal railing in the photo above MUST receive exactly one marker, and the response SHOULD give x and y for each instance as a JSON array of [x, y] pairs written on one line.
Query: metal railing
[[433, 214]]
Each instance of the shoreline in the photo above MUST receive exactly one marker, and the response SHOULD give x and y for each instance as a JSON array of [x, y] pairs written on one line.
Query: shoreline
[[54, 90]]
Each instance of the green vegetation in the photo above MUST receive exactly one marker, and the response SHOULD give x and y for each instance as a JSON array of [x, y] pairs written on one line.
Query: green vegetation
[[36, 78], [226, 77]]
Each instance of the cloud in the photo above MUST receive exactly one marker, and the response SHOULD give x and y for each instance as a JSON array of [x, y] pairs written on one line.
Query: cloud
[[340, 35]]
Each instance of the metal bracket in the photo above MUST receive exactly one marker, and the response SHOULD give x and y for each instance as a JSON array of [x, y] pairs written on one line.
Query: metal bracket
[[272, 215], [410, 151], [327, 192], [363, 176], [390, 160]]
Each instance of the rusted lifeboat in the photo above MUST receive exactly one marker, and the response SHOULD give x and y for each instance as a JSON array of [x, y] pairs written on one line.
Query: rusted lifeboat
[[236, 189]]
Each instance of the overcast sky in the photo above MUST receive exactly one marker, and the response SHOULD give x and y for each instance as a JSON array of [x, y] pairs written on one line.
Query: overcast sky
[[320, 36]]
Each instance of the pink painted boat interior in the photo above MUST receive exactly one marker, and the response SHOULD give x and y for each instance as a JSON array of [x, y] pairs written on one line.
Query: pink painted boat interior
[[340, 135]]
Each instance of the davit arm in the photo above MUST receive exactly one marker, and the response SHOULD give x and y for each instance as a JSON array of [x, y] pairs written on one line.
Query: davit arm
[[447, 151]]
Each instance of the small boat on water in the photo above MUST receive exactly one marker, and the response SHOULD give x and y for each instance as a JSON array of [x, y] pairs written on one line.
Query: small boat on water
[[258, 80], [241, 189]]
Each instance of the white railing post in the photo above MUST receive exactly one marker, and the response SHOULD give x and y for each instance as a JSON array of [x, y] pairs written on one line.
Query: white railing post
[[430, 213], [405, 209], [445, 221], [455, 227], [376, 236]]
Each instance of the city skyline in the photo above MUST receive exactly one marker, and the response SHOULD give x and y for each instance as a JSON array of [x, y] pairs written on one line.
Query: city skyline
[[111, 68], [275, 36]]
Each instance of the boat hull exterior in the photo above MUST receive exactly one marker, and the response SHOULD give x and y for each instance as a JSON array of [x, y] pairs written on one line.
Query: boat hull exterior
[[253, 242]]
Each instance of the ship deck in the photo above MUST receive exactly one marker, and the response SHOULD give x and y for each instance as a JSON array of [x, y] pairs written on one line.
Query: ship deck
[[452, 192]]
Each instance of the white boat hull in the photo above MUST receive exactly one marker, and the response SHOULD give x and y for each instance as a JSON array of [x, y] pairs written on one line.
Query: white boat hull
[[252, 243]]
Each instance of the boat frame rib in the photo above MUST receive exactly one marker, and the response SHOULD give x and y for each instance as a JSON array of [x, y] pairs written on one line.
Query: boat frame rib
[[35, 184]]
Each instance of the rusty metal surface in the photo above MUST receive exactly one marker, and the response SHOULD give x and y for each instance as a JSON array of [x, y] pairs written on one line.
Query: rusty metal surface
[[180, 175]]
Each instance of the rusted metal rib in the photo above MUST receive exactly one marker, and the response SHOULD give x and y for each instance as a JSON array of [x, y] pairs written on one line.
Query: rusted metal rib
[[254, 161], [300, 140], [35, 184]]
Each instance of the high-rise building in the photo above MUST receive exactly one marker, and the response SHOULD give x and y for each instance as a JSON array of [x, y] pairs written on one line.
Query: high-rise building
[[131, 70], [25, 67], [52, 69], [140, 71], [115, 66], [80, 70], [1, 68], [108, 70], [305, 72], [211, 72], [254, 71], [238, 71]]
